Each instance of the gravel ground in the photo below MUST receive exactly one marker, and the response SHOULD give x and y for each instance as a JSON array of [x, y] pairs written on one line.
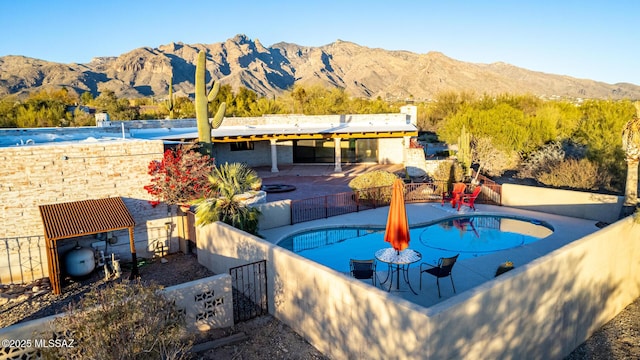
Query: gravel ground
[[267, 338]]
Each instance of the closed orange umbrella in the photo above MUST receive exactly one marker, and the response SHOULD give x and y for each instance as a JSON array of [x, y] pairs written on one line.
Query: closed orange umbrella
[[397, 232]]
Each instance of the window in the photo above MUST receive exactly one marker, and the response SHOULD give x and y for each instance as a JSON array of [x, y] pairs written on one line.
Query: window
[[241, 146]]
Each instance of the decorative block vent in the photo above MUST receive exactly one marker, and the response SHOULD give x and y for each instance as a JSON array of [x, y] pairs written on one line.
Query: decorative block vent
[[208, 303]]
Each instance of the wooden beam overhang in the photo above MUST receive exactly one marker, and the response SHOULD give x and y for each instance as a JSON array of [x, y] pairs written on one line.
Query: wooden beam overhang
[[311, 136]]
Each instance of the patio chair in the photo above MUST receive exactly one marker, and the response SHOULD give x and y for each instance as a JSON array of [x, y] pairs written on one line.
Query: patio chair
[[363, 269], [454, 196], [469, 199], [443, 269]]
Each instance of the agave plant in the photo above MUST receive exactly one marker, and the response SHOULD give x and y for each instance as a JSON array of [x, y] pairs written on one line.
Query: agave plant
[[228, 182]]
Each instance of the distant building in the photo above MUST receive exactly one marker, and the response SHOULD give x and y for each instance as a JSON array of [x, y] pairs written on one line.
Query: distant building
[[103, 120]]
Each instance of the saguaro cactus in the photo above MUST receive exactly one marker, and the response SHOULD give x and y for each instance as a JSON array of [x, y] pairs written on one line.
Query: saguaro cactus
[[464, 150], [202, 104], [631, 146], [169, 103]]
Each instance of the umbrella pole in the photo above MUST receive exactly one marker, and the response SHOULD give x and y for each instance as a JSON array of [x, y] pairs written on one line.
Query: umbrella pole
[[398, 272]]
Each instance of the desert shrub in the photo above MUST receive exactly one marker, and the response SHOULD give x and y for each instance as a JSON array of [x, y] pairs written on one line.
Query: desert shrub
[[373, 179], [447, 173], [548, 156], [122, 321], [577, 174], [542, 160], [374, 185], [494, 160]]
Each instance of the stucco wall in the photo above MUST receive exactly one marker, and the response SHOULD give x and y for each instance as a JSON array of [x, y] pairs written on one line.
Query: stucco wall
[[541, 310], [259, 156], [391, 151], [274, 214], [579, 204], [55, 173]]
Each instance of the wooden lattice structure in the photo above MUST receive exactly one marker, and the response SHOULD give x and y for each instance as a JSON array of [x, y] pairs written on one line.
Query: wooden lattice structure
[[79, 218]]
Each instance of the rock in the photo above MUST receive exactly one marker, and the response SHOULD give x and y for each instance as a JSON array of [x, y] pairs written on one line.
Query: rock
[[21, 298], [35, 289]]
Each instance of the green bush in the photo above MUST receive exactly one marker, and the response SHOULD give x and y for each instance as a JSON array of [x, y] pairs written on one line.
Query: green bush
[[373, 179], [576, 174], [374, 185], [121, 321], [447, 173]]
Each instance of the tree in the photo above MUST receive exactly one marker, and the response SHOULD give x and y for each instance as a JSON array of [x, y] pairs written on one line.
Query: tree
[[494, 160], [180, 177], [8, 112], [118, 109], [43, 109], [86, 98], [228, 182], [599, 130], [184, 108], [631, 146]]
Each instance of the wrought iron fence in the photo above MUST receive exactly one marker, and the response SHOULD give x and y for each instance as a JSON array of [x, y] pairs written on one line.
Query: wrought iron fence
[[348, 202], [249, 284], [24, 259]]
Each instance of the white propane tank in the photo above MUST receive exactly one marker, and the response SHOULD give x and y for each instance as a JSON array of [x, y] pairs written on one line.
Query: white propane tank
[[80, 261]]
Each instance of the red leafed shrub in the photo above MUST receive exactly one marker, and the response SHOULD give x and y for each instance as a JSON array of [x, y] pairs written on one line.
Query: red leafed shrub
[[180, 177]]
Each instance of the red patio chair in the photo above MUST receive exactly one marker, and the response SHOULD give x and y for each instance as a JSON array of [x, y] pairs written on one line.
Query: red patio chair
[[470, 199], [454, 196]]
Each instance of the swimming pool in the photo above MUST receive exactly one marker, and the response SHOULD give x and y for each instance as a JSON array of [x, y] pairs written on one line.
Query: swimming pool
[[469, 236]]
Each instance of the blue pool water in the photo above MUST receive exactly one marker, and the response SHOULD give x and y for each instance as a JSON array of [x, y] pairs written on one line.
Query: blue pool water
[[469, 236]]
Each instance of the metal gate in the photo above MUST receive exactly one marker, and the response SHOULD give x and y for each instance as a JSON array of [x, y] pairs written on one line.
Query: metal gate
[[249, 284]]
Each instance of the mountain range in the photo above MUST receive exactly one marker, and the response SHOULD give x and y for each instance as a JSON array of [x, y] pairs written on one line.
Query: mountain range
[[269, 71]]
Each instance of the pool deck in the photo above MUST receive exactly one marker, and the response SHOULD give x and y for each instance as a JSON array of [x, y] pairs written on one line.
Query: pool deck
[[468, 274], [321, 179]]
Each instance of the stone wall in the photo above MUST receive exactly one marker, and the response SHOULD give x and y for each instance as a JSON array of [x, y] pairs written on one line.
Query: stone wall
[[64, 172]]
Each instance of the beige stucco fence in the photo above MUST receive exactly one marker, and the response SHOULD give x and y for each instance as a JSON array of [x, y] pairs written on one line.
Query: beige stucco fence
[[542, 310], [207, 304]]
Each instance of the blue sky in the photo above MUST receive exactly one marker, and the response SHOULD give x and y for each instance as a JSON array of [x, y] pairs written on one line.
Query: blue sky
[[598, 40]]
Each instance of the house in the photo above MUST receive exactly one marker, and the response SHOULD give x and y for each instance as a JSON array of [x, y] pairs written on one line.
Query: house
[[47, 166], [292, 139]]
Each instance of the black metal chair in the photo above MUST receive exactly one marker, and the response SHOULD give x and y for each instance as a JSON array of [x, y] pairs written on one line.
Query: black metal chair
[[363, 269], [443, 269]]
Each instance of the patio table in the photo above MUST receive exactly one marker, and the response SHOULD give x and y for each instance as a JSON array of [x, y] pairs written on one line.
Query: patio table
[[398, 262]]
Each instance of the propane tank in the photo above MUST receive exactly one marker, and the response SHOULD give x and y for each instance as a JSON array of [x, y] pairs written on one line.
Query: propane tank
[[80, 261]]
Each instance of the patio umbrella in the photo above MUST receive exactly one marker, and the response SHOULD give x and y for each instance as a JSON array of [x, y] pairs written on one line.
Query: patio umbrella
[[397, 232]]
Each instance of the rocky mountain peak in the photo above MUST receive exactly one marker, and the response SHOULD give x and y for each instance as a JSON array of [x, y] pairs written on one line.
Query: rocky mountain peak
[[241, 61]]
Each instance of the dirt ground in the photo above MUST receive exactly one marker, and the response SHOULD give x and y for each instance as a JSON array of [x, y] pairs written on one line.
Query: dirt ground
[[267, 338]]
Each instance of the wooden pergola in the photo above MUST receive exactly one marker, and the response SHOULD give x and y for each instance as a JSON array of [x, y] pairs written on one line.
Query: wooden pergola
[[79, 218]]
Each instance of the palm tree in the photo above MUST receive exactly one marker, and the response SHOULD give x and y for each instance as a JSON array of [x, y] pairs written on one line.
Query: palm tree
[[631, 145], [228, 182], [233, 179]]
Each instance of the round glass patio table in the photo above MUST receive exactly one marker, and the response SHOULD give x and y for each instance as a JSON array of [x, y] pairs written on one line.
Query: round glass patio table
[[399, 262]]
